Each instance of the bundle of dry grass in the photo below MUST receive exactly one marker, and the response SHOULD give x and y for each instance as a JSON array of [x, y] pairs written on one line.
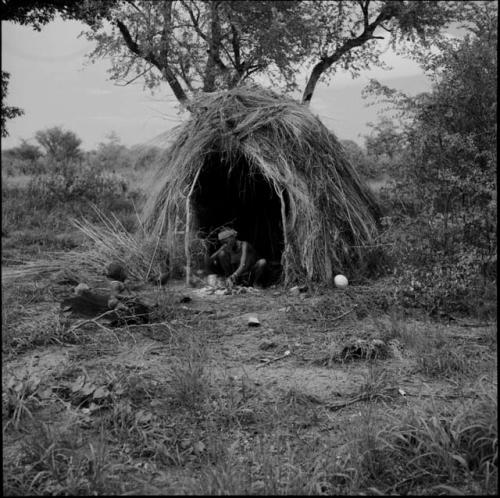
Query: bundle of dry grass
[[140, 255], [265, 165]]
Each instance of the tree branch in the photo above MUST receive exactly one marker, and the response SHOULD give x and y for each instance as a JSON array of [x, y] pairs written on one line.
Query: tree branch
[[149, 57], [385, 14], [386, 29], [364, 8], [184, 74], [195, 21], [130, 2], [192, 59], [137, 77]]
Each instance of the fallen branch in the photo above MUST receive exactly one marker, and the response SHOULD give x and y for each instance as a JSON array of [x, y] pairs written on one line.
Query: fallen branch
[[285, 355], [91, 320], [153, 324], [208, 312], [344, 314], [343, 404], [463, 323], [475, 325], [367, 396]]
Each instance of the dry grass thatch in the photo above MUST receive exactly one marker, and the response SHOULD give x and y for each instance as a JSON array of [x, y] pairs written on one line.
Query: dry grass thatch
[[316, 213], [142, 256]]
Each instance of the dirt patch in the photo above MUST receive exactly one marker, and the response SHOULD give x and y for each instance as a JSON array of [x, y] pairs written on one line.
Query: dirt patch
[[38, 363], [201, 385]]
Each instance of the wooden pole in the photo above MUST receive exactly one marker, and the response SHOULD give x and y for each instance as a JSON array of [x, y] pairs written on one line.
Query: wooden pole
[[285, 238], [187, 251], [157, 242]]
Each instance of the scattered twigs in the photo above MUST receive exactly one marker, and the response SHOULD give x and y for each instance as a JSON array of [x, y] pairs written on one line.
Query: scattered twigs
[[273, 360], [92, 320]]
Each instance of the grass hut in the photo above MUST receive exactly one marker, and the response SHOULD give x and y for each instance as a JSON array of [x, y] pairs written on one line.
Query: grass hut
[[265, 165]]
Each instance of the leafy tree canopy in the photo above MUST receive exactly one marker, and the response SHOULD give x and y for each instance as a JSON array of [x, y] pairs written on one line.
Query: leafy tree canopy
[[197, 45], [194, 45], [59, 144]]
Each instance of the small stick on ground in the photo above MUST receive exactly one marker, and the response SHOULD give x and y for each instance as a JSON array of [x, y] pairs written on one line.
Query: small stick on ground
[[285, 355], [92, 320], [344, 314]]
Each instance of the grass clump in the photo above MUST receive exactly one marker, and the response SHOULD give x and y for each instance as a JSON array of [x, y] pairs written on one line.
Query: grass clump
[[24, 329], [379, 384], [188, 383], [19, 400], [439, 449], [60, 462], [440, 360], [435, 355]]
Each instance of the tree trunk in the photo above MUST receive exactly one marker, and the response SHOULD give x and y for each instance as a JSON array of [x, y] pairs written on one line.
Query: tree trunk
[[162, 65], [317, 71], [213, 49], [176, 87]]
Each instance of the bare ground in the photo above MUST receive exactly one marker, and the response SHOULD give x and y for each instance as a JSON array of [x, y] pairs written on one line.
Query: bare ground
[[186, 399]]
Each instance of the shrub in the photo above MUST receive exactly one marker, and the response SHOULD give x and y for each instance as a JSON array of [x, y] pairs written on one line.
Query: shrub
[[441, 208], [144, 156], [84, 185], [50, 200], [110, 156]]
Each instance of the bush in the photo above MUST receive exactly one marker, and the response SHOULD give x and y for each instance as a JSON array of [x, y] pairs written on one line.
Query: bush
[[50, 200], [441, 209], [84, 185], [111, 156], [364, 165], [143, 157], [13, 165]]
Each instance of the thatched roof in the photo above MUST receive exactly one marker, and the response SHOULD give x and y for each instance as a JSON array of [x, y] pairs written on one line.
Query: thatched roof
[[265, 165]]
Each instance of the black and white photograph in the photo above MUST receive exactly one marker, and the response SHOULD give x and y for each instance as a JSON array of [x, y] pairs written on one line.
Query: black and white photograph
[[249, 247]]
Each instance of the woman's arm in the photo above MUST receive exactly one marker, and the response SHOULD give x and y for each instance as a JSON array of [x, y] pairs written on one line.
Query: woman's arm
[[216, 253], [243, 260]]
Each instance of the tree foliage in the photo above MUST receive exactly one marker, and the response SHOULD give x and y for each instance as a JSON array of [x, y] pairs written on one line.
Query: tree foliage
[[111, 155], [195, 45], [203, 46], [37, 13], [7, 112], [384, 139], [59, 145], [346, 34], [359, 159]]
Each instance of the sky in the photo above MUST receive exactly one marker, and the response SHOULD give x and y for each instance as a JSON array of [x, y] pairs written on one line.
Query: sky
[[51, 80]]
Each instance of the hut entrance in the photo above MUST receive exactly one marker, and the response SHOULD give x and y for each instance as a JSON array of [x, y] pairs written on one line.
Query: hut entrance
[[232, 193]]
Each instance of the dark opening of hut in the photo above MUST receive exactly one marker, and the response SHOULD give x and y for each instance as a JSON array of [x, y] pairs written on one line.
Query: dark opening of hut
[[230, 192]]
